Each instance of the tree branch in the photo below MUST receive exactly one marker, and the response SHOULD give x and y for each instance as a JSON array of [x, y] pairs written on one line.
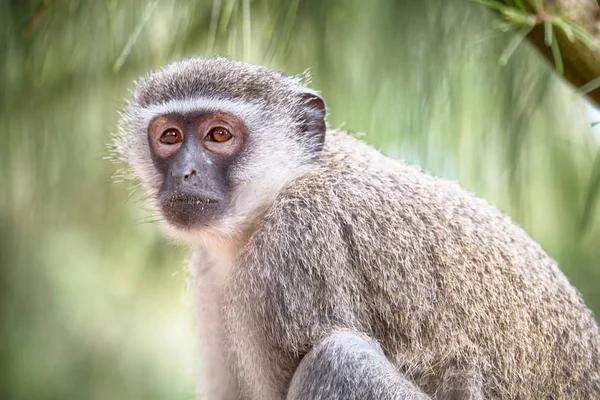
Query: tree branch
[[581, 63]]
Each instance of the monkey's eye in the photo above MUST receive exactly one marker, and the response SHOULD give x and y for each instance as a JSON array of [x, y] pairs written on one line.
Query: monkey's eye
[[219, 135], [171, 136]]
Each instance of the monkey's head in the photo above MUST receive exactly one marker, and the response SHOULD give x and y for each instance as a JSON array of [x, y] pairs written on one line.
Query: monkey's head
[[212, 139]]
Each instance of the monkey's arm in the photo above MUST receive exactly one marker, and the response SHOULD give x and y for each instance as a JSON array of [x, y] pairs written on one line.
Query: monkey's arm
[[294, 288], [346, 366]]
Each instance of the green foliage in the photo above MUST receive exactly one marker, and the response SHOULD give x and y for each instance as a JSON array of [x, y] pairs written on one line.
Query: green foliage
[[92, 296], [520, 18]]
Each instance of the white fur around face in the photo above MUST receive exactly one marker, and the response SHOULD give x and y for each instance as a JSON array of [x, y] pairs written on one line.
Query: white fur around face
[[271, 160]]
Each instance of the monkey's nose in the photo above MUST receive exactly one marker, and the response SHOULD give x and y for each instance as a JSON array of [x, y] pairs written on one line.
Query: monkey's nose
[[189, 174]]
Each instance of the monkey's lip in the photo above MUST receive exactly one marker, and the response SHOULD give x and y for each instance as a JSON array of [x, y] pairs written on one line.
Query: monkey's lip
[[188, 199]]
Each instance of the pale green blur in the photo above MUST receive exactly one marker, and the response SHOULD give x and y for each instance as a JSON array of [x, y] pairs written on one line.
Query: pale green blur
[[93, 298]]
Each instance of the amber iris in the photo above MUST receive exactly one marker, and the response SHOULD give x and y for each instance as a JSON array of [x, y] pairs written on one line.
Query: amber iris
[[171, 136], [219, 135]]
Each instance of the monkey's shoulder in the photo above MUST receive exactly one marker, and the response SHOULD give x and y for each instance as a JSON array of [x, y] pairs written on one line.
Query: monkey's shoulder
[[356, 199], [353, 180]]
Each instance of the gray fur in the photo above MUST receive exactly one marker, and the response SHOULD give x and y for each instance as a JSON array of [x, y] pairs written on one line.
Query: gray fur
[[345, 366], [217, 78], [460, 298], [463, 303]]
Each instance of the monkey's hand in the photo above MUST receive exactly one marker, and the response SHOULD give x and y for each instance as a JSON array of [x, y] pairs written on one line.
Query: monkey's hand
[[347, 366]]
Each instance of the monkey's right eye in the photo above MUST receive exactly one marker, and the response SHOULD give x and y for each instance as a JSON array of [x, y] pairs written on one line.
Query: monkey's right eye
[[171, 136]]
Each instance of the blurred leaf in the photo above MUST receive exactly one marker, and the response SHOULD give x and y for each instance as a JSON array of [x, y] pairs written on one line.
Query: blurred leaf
[[495, 4], [134, 35], [513, 44], [592, 195], [558, 63], [590, 86]]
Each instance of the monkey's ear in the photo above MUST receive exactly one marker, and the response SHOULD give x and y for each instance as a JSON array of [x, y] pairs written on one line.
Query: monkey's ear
[[313, 117]]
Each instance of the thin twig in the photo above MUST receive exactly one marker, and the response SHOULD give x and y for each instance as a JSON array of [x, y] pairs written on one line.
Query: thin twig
[[134, 36], [214, 24], [247, 29], [39, 11]]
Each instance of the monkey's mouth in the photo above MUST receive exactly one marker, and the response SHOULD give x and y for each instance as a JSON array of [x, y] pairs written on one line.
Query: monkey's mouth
[[187, 199], [187, 210]]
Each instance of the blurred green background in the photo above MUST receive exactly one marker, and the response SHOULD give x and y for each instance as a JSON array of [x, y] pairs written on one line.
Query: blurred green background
[[93, 300]]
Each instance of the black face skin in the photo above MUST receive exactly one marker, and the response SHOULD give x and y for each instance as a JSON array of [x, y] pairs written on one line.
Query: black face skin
[[194, 153]]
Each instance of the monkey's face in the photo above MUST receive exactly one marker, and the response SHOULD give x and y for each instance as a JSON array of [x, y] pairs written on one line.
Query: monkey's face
[[212, 140], [194, 153]]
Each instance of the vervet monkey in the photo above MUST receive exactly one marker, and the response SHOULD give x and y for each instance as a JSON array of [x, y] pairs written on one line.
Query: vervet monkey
[[326, 270]]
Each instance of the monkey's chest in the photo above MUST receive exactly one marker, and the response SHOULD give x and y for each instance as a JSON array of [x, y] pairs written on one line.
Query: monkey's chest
[[216, 381]]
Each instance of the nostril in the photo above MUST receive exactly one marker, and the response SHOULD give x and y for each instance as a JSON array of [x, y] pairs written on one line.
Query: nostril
[[190, 173]]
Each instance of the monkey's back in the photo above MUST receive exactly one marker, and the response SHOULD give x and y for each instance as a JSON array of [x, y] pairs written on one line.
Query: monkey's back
[[461, 298]]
